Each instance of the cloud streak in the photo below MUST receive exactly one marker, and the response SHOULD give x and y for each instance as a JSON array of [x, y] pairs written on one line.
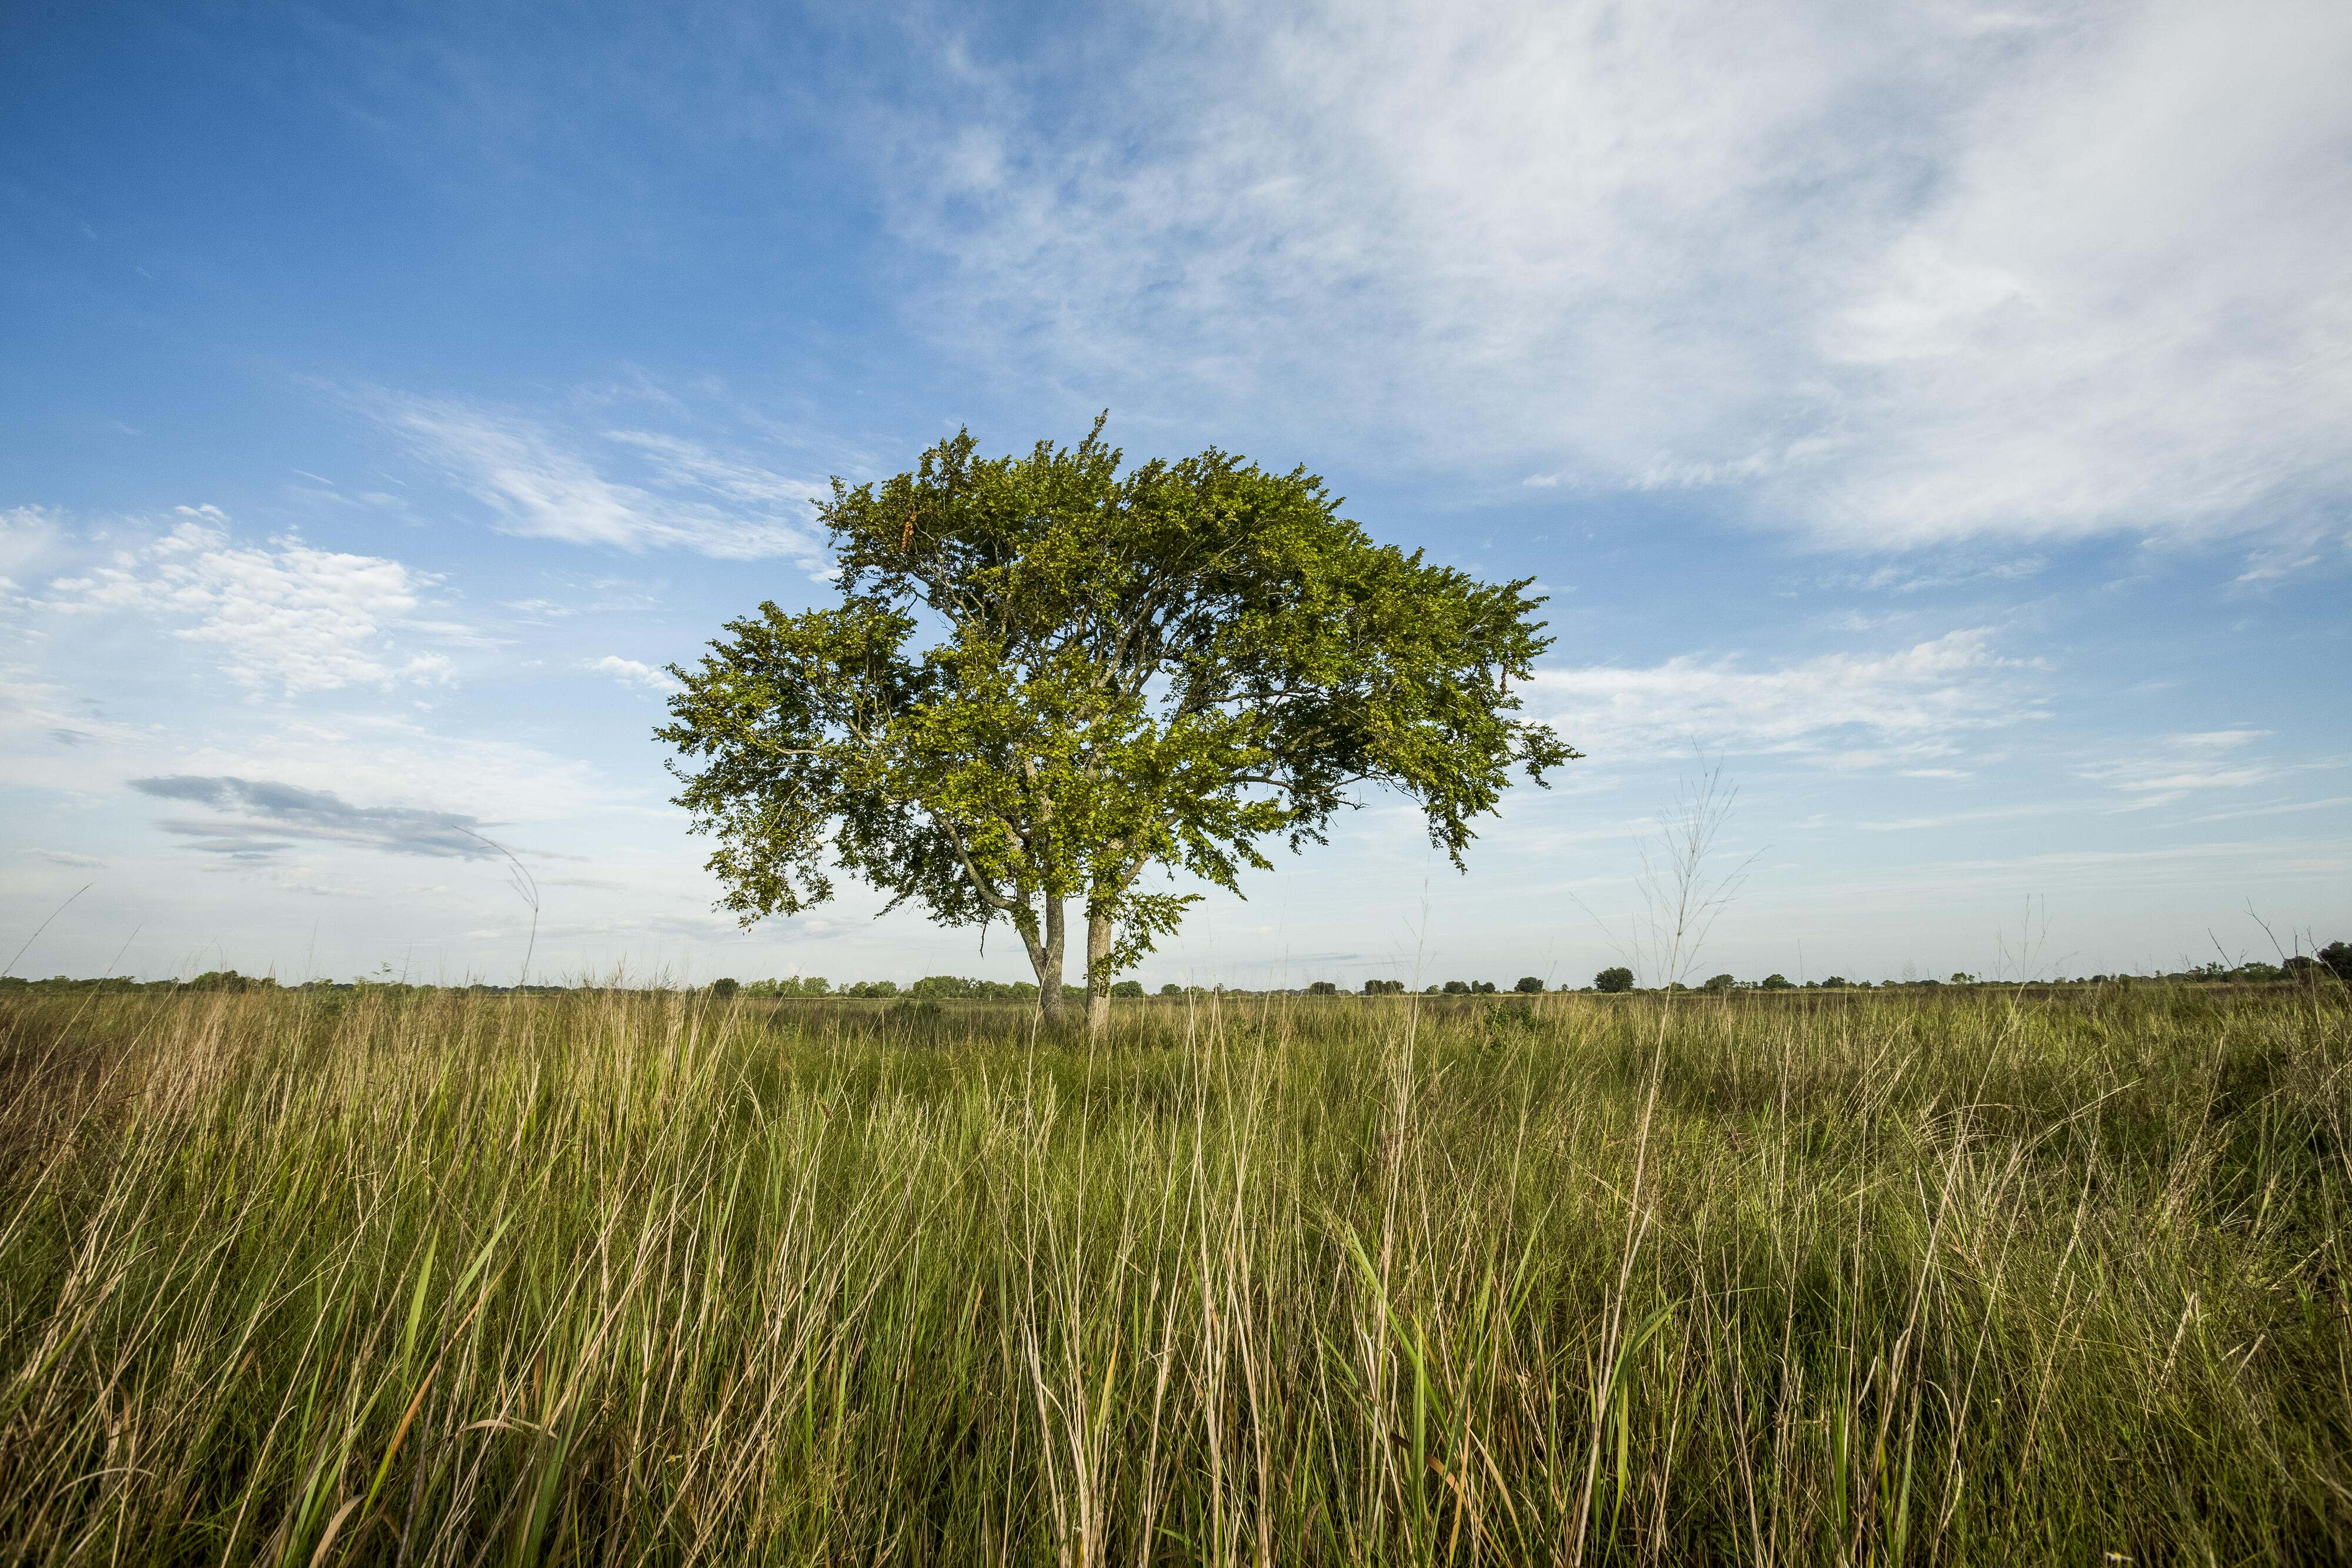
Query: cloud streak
[[632, 672], [542, 484], [258, 819], [2180, 767]]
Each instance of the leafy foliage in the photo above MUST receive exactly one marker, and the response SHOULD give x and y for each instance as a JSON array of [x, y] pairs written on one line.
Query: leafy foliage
[[957, 987], [230, 981], [803, 986]]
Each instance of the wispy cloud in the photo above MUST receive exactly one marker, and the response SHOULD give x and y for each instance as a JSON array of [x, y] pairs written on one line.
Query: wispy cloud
[[1889, 274], [544, 483], [1953, 819], [1912, 577], [632, 672], [2176, 767], [2233, 865], [281, 614], [2279, 809], [1840, 709], [259, 820]]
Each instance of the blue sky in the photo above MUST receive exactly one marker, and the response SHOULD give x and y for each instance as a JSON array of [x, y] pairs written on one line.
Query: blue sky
[[1939, 417]]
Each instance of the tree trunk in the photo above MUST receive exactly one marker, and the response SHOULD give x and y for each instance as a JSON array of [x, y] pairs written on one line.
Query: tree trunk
[[1045, 957], [1098, 976]]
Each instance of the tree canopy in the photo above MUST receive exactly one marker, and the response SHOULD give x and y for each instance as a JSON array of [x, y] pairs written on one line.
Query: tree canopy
[[1045, 677]]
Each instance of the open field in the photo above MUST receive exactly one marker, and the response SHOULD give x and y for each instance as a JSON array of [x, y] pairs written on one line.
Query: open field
[[316, 1278]]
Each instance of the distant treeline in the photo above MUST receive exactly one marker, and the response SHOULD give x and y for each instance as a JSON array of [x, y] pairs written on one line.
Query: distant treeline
[[2334, 960], [231, 981]]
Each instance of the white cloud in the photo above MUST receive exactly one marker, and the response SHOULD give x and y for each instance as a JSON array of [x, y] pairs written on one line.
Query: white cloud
[[27, 535], [2175, 768], [630, 672], [1892, 274], [282, 614], [1840, 709], [538, 483], [2127, 305]]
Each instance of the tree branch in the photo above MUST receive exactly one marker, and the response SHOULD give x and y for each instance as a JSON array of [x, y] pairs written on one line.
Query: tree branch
[[988, 894]]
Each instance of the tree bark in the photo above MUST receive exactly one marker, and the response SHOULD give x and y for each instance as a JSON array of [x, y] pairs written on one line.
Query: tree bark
[[1098, 935], [1045, 957]]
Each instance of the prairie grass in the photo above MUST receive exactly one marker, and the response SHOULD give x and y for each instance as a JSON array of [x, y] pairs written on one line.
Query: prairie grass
[[633, 1277]]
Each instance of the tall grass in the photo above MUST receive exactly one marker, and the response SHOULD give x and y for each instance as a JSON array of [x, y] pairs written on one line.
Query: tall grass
[[629, 1277]]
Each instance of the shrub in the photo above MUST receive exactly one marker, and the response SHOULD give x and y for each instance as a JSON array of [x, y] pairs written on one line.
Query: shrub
[[1323, 988], [723, 991], [1776, 982], [956, 987], [1617, 978], [1528, 985], [810, 986], [223, 980], [1126, 987], [1719, 983]]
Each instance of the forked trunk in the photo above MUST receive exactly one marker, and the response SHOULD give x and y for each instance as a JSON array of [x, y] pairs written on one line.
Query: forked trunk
[[1098, 976], [1045, 957]]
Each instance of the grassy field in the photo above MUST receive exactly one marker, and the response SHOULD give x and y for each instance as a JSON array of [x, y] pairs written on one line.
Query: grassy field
[[628, 1278]]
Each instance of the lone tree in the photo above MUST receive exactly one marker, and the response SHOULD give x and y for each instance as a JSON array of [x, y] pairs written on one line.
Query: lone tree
[[1045, 678]]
